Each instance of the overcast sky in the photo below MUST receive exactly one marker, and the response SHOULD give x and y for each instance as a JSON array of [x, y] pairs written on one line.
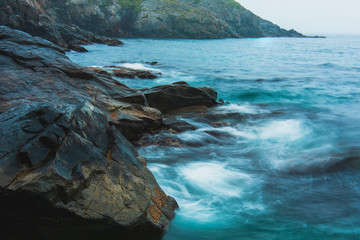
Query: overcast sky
[[309, 16]]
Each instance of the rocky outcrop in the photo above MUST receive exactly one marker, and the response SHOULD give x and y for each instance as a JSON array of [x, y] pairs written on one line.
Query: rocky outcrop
[[173, 96], [123, 72], [34, 17], [169, 19], [66, 22], [67, 169], [73, 159], [64, 163], [202, 19]]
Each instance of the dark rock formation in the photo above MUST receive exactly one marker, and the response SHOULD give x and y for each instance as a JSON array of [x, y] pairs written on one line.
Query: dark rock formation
[[173, 96], [167, 19], [67, 170], [76, 22], [76, 161], [34, 17], [178, 126], [134, 120], [123, 72], [64, 163]]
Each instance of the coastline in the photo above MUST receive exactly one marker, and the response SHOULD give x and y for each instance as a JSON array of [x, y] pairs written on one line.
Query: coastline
[[84, 158]]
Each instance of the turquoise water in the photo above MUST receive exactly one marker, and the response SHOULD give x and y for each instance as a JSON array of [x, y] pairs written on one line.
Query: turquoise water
[[287, 163]]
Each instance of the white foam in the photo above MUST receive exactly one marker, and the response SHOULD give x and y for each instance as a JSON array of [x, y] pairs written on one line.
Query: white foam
[[215, 178], [253, 206], [200, 210], [289, 130], [139, 66], [244, 108], [193, 136], [246, 133]]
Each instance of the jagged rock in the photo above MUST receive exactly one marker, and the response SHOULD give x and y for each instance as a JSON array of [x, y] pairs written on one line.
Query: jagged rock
[[124, 72], [66, 171], [76, 161], [100, 71], [159, 141], [73, 34], [134, 120], [38, 69], [36, 18], [178, 126], [77, 48], [173, 96]]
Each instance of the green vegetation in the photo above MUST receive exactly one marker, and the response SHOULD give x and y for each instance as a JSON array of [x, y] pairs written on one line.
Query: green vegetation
[[131, 3], [233, 3]]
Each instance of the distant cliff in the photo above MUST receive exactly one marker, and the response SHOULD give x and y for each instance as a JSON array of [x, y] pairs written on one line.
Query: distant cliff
[[81, 21], [166, 18]]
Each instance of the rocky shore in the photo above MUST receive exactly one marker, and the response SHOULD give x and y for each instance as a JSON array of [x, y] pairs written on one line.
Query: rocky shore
[[68, 169], [36, 18]]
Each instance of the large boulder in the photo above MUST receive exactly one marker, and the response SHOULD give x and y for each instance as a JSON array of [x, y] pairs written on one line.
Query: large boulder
[[66, 170], [173, 96], [74, 160]]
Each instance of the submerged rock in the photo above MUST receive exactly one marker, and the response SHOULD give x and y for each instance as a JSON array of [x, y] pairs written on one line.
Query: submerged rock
[[66, 170], [77, 48]]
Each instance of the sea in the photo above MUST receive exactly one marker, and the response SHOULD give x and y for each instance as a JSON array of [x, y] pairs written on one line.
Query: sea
[[283, 159]]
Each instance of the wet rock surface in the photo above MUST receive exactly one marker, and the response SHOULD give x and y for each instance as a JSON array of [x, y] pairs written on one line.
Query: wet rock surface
[[36, 17], [65, 132], [173, 96], [75, 160], [124, 72], [62, 148]]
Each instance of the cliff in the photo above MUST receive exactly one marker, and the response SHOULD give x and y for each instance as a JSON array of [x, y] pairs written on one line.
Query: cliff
[[72, 22], [166, 18], [34, 17]]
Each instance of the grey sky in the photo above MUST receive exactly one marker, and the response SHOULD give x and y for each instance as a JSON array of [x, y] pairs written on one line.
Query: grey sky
[[309, 16]]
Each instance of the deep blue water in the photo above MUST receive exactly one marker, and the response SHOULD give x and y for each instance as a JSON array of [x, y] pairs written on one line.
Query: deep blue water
[[287, 165]]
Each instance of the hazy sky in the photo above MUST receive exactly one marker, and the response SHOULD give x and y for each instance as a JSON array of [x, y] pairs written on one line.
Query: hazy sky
[[309, 16]]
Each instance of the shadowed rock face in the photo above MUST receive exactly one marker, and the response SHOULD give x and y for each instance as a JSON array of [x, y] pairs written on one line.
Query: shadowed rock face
[[67, 169], [172, 96], [75, 160], [62, 155], [170, 19], [34, 17], [72, 22]]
